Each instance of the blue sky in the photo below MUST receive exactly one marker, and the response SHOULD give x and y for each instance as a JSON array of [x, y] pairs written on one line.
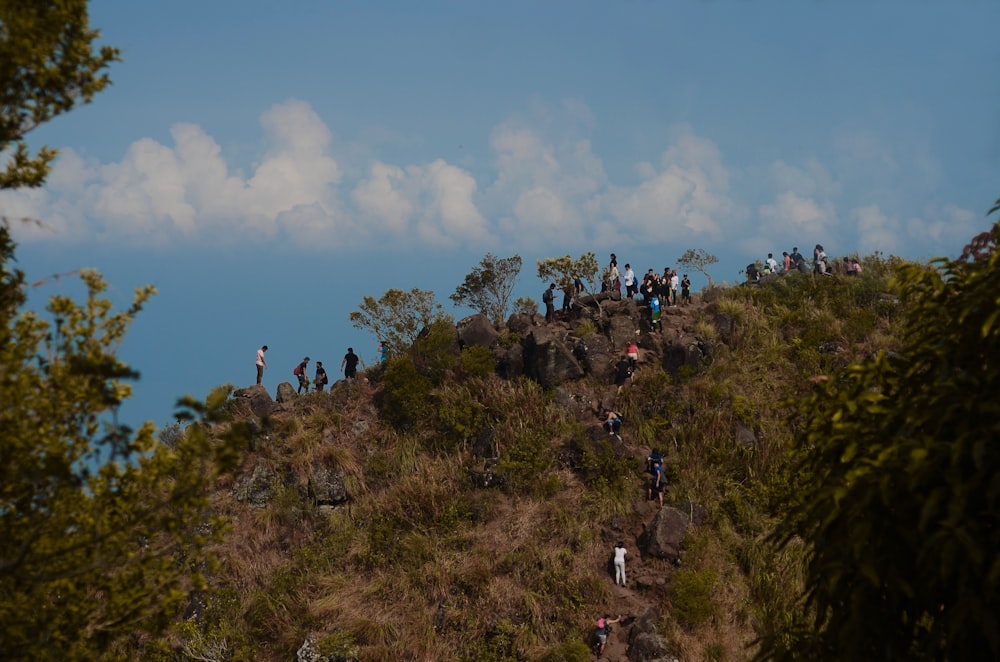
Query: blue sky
[[266, 165]]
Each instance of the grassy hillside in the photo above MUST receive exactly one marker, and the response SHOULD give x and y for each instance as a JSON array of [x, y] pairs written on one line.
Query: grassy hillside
[[422, 564]]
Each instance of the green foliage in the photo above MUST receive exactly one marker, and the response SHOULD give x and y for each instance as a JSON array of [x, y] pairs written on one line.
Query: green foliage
[[526, 462], [604, 468], [897, 501], [573, 650], [104, 531], [478, 362], [699, 259], [397, 317], [525, 306], [489, 286], [435, 351], [406, 393], [48, 65], [691, 594]]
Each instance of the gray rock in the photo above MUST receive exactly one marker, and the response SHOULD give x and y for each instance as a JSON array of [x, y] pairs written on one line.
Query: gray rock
[[665, 536], [326, 487], [645, 643], [256, 489], [286, 392], [622, 329], [510, 361], [547, 360], [476, 331], [745, 437]]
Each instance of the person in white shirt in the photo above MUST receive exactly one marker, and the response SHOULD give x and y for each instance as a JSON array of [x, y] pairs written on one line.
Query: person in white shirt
[[630, 286], [261, 363], [620, 553], [772, 264]]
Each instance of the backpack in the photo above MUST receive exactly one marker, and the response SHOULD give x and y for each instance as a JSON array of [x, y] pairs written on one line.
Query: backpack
[[298, 370]]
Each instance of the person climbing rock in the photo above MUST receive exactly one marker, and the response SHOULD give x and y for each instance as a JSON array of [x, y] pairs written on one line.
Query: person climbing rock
[[602, 628], [620, 553]]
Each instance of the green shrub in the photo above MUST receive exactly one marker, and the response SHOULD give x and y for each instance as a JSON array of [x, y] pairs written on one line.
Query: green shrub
[[573, 650], [478, 362], [406, 394], [586, 329], [691, 595], [435, 352]]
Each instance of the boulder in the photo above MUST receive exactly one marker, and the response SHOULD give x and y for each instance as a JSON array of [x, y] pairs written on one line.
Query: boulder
[[645, 643], [258, 398], [520, 323], [286, 392], [622, 329], [256, 489], [510, 361], [326, 487], [745, 437], [665, 536], [547, 360], [476, 331]]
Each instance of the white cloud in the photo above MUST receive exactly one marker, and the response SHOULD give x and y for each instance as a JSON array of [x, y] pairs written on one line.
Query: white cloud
[[544, 186], [795, 215], [688, 194], [946, 229], [876, 231]]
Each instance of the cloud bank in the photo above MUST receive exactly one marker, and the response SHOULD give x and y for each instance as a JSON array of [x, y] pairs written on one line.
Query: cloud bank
[[531, 191]]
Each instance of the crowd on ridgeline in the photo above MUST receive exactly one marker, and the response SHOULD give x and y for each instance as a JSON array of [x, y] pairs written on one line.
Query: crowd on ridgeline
[[348, 365], [795, 262], [652, 291]]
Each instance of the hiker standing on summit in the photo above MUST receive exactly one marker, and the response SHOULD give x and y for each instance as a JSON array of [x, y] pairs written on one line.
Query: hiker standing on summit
[[300, 372], [349, 365], [261, 363]]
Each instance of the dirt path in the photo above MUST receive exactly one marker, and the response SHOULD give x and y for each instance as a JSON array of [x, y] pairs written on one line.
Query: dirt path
[[646, 583]]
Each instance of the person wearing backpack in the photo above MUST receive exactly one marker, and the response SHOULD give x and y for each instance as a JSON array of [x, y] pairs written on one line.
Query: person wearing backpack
[[656, 483], [602, 628], [300, 372]]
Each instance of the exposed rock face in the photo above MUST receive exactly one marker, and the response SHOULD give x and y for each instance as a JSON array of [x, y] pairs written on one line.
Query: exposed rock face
[[256, 489], [645, 644], [286, 392], [548, 360], [326, 487], [308, 652], [258, 398], [666, 534], [476, 331], [510, 361]]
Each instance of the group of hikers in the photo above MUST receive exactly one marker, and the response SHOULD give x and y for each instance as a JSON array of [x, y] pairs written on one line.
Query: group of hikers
[[657, 483], [348, 365], [653, 290], [795, 262]]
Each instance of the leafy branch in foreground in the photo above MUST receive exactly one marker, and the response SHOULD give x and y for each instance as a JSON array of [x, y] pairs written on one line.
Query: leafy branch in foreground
[[897, 499], [103, 531]]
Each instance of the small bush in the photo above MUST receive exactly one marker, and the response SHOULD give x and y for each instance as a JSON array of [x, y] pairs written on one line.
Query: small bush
[[478, 362], [691, 593], [586, 329], [407, 392]]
